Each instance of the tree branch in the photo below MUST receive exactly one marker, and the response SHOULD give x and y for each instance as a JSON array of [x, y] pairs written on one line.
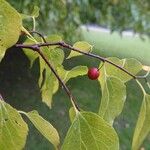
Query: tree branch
[[36, 47], [65, 45]]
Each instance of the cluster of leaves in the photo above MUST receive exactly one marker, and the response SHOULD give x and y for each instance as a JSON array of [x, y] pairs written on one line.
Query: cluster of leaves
[[88, 130], [115, 14]]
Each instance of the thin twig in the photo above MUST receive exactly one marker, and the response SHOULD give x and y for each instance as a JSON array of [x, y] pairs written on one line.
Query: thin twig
[[65, 45], [36, 47]]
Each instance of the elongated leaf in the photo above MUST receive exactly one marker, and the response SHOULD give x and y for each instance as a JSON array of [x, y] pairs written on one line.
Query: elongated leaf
[[10, 26], [131, 65], [13, 129], [90, 132], [112, 81], [143, 124], [83, 46], [113, 96], [44, 127]]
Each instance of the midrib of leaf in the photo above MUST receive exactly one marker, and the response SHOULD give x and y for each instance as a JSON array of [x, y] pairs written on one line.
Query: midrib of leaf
[[84, 145], [7, 127]]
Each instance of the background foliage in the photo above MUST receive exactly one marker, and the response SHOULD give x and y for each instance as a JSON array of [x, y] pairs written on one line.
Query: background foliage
[[115, 14]]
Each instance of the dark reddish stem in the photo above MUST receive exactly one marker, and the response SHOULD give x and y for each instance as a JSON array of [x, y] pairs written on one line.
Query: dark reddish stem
[[65, 45]]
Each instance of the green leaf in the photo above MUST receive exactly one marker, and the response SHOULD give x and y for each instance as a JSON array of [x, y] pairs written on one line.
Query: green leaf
[[112, 81], [83, 46], [142, 128], [113, 93], [50, 86], [74, 72], [10, 27], [131, 65], [13, 129], [90, 132], [44, 127], [113, 98]]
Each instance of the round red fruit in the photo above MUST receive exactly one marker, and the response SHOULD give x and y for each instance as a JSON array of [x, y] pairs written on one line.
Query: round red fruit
[[93, 73]]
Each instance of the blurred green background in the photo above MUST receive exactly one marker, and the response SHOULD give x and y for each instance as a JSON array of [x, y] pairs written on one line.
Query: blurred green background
[[19, 83]]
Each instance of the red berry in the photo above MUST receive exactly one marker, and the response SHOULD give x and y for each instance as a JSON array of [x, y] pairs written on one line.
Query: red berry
[[93, 73]]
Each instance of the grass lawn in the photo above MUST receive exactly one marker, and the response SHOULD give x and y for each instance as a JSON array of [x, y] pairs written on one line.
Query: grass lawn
[[18, 85], [126, 46]]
